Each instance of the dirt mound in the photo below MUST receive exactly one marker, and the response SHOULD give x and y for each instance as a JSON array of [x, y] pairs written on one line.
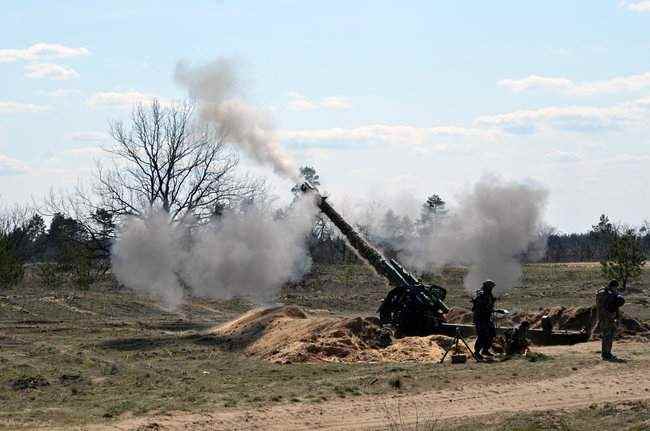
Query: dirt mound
[[580, 318], [563, 318], [289, 334], [459, 316]]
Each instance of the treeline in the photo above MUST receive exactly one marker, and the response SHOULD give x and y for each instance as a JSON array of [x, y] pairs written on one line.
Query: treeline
[[583, 247], [68, 243], [592, 246], [61, 246], [328, 247]]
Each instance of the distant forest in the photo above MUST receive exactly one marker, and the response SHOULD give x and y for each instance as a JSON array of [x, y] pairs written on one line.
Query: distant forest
[[561, 247], [583, 247], [64, 240]]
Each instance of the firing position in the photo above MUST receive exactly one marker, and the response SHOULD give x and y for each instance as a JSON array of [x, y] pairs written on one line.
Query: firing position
[[483, 310], [608, 303]]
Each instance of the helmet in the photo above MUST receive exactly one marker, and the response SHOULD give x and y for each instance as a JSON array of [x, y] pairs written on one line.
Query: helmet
[[613, 284], [525, 324], [489, 284]]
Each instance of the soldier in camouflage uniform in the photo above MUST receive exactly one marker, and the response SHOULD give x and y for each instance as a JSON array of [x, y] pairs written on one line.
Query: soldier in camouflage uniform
[[482, 310], [608, 302], [517, 341]]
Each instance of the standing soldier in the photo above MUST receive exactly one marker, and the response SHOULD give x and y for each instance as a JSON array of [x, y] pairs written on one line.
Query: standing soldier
[[608, 302], [482, 308]]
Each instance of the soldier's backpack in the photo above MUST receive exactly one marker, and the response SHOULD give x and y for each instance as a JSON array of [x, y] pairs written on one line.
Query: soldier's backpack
[[613, 302]]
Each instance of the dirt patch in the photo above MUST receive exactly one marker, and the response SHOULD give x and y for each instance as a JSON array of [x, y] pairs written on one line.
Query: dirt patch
[[289, 334]]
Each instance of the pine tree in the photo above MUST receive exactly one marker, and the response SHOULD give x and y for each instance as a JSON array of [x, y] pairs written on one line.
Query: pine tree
[[625, 258]]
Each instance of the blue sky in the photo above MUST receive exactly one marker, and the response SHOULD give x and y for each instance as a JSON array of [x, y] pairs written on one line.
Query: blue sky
[[382, 97]]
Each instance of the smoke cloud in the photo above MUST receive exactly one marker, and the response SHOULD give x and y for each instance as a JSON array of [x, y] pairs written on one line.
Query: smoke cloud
[[249, 253], [215, 87], [146, 256], [494, 224]]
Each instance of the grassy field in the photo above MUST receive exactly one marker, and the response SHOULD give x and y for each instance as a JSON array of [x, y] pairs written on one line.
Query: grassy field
[[90, 356]]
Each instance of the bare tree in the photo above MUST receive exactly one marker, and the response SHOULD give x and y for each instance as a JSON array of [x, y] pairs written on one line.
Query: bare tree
[[14, 217], [164, 158]]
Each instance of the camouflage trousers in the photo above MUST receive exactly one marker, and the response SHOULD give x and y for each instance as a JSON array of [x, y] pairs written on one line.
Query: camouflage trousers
[[607, 339], [485, 333]]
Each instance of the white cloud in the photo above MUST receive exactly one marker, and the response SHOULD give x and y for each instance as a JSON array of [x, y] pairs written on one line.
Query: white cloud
[[564, 85], [571, 118], [300, 102], [51, 71], [638, 6], [63, 92], [627, 159], [122, 99], [336, 103], [87, 136], [8, 107], [84, 152], [302, 105], [10, 166], [41, 51], [557, 156], [533, 82], [384, 133]]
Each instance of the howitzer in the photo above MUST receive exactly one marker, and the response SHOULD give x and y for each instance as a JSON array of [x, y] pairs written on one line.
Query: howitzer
[[412, 307]]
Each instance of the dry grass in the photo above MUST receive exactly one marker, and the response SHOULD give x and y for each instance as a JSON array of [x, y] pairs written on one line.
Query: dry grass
[[627, 416], [104, 353]]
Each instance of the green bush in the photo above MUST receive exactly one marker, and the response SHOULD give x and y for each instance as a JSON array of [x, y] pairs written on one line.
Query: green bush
[[11, 268], [84, 274], [49, 275], [625, 258]]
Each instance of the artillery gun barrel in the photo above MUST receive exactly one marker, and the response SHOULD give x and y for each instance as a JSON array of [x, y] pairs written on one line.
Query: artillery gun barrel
[[358, 243]]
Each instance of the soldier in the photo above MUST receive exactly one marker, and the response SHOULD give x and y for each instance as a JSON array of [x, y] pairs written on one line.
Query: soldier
[[482, 308], [517, 341], [608, 302]]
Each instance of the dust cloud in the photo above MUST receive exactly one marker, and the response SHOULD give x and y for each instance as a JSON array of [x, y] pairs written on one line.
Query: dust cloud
[[248, 253], [494, 224]]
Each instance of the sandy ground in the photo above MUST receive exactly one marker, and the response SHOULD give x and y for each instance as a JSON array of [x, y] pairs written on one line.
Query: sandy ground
[[607, 382]]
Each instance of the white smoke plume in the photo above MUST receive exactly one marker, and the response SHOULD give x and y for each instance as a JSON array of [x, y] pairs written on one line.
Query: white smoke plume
[[249, 253], [494, 224], [147, 258], [215, 87]]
